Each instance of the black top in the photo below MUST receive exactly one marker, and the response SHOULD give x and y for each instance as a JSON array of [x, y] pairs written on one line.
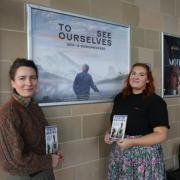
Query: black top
[[144, 114]]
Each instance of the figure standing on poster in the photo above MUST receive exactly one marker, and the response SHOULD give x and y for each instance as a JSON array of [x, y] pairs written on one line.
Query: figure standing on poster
[[120, 131], [82, 84]]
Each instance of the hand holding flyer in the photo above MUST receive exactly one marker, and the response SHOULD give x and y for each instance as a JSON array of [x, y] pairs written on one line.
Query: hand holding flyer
[[118, 127]]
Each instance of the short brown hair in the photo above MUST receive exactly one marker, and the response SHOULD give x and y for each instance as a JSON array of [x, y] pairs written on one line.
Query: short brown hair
[[19, 62]]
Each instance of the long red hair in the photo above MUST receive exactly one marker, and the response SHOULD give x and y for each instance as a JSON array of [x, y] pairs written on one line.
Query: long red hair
[[150, 88]]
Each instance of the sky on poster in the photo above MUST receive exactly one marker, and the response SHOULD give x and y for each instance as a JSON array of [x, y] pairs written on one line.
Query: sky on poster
[[55, 56]]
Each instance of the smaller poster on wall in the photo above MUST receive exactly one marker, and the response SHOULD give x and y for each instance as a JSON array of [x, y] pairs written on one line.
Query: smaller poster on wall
[[171, 65]]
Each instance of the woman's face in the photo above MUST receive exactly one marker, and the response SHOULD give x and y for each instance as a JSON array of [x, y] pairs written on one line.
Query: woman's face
[[25, 81], [138, 79], [174, 78]]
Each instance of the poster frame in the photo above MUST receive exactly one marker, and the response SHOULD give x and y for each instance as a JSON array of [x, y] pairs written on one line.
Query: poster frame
[[30, 44], [174, 63]]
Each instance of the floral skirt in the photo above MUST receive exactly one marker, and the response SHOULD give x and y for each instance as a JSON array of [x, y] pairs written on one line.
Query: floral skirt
[[136, 163]]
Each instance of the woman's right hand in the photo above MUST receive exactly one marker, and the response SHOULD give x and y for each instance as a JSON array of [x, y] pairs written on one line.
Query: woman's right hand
[[56, 159], [107, 138]]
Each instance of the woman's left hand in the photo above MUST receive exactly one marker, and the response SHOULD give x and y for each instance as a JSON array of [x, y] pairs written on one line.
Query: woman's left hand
[[125, 143]]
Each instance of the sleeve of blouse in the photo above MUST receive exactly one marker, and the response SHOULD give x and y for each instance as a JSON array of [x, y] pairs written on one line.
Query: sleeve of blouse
[[12, 157], [158, 114]]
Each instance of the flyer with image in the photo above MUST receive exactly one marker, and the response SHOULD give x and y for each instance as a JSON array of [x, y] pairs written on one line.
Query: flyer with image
[[51, 137], [118, 127]]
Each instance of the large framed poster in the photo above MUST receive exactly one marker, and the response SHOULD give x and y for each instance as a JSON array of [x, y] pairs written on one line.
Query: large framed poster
[[80, 59], [171, 65]]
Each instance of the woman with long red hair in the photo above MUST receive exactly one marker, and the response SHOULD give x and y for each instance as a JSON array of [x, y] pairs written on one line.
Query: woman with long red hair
[[139, 155]]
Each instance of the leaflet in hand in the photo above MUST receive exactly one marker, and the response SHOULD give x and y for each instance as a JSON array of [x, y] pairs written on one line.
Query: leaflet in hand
[[118, 127], [51, 137]]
